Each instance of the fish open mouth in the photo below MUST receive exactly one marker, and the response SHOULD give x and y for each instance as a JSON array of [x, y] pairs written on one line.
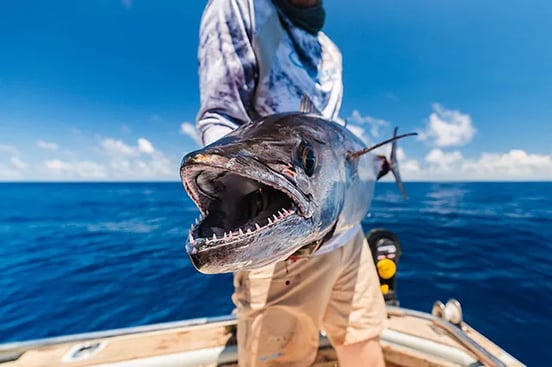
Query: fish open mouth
[[235, 205]]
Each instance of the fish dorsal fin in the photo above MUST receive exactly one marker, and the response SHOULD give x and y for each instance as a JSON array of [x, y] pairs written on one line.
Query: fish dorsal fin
[[306, 106]]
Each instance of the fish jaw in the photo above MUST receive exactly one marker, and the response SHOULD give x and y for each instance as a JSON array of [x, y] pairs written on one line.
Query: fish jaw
[[247, 250], [249, 213]]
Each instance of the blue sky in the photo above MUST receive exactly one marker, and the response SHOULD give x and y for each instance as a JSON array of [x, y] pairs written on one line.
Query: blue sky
[[108, 90]]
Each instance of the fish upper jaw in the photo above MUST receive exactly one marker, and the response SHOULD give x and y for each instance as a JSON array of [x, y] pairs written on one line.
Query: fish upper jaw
[[244, 166], [241, 200]]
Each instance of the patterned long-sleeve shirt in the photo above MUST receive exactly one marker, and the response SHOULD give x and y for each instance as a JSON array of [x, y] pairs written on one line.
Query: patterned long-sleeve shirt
[[254, 62]]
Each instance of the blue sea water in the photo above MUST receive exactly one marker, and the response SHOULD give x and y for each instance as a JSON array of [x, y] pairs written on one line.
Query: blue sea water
[[94, 256]]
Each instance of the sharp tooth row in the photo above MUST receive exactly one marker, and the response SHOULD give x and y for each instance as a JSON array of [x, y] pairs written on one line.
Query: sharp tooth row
[[282, 213], [230, 234]]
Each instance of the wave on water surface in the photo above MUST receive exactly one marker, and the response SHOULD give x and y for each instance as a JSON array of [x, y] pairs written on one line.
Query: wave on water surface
[[87, 257]]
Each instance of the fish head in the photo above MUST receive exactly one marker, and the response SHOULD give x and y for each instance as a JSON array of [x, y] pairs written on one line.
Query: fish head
[[265, 190]]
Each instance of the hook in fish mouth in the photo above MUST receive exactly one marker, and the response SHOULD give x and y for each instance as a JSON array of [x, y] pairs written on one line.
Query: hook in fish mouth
[[235, 206]]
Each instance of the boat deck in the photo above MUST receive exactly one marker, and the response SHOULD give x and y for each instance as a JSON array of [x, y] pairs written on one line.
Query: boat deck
[[411, 339]]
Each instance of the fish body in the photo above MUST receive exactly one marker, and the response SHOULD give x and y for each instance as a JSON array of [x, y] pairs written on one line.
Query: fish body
[[274, 186]]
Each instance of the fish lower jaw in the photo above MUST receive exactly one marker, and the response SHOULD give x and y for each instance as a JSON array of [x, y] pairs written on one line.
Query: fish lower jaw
[[239, 234]]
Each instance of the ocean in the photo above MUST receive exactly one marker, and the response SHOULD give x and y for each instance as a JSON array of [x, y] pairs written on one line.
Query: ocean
[[79, 257]]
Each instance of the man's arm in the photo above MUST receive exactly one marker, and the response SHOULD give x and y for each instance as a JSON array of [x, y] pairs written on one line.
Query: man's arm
[[227, 67]]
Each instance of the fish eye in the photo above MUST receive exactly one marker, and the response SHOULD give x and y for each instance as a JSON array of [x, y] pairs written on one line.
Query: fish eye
[[308, 157]]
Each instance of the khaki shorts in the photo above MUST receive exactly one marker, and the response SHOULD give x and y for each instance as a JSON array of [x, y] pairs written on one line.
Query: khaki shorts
[[282, 308]]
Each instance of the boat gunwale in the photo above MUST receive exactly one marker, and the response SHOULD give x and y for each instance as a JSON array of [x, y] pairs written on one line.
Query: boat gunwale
[[457, 333]]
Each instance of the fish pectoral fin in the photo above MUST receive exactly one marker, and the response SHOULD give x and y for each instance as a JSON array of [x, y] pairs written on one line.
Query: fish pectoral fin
[[387, 165], [354, 155]]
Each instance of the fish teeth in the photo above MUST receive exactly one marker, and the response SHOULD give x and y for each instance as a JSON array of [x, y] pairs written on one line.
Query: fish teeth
[[285, 211], [275, 217], [190, 237], [240, 231], [269, 221], [257, 226], [214, 237], [248, 230]]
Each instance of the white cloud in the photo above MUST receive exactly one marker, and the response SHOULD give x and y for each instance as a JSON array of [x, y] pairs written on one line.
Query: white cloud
[[158, 166], [145, 146], [140, 162], [18, 163], [444, 161], [47, 145], [76, 169], [447, 128], [515, 165], [118, 148], [8, 173], [11, 165], [374, 124], [118, 161], [108, 159], [190, 130], [406, 164]]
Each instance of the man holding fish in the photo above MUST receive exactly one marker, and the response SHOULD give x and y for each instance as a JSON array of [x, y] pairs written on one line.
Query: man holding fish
[[265, 188]]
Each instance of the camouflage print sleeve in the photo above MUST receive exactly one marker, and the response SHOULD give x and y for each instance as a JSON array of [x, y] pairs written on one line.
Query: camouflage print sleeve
[[227, 67]]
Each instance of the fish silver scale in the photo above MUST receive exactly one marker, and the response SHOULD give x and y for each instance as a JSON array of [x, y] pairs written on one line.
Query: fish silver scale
[[336, 196]]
